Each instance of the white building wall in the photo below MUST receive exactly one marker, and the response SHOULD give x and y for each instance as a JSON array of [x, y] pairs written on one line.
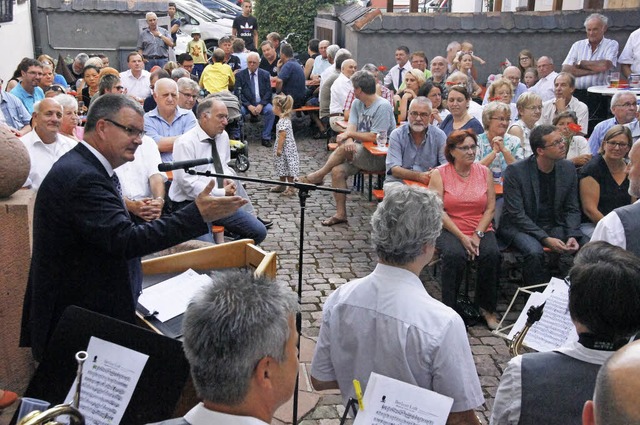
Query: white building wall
[[16, 39]]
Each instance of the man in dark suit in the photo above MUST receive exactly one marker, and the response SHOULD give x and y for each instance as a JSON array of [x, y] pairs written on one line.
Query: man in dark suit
[[541, 205], [253, 88], [83, 237]]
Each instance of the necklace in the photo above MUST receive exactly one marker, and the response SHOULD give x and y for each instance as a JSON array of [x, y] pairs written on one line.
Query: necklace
[[462, 175]]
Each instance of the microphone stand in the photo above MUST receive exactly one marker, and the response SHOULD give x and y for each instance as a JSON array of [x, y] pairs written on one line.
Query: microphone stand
[[303, 194]]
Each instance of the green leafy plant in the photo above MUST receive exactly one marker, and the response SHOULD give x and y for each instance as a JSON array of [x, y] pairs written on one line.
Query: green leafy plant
[[289, 16]]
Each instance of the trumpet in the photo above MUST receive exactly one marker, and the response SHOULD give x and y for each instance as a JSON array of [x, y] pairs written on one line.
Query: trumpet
[[533, 315], [71, 409]]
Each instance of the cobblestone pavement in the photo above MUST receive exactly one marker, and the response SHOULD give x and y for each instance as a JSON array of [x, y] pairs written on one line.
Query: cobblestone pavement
[[335, 255]]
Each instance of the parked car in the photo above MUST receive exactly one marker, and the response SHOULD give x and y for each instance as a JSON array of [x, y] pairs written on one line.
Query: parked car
[[212, 26], [224, 8]]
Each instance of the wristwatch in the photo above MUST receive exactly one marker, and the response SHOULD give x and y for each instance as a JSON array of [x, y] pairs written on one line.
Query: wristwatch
[[479, 233]]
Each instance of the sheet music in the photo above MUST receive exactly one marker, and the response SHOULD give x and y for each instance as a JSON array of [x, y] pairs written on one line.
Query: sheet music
[[109, 377], [555, 328], [388, 401], [171, 297]]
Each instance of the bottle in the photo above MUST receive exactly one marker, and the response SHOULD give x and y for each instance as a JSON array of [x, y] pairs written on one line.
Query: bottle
[[496, 170], [396, 111]]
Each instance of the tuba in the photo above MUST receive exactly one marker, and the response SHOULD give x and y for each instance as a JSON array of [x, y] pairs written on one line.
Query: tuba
[[47, 417], [533, 315]]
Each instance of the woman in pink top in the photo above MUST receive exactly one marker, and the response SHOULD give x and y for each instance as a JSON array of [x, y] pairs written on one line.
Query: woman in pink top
[[469, 199]]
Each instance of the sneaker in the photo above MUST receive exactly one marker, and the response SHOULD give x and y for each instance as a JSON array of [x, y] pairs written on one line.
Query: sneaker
[[267, 223]]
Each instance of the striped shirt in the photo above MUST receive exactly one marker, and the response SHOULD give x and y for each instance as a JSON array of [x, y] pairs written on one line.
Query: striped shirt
[[581, 50]]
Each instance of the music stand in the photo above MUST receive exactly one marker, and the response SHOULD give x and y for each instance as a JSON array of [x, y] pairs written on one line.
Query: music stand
[[161, 383]]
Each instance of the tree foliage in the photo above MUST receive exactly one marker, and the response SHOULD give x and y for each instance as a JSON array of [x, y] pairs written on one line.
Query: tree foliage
[[289, 16]]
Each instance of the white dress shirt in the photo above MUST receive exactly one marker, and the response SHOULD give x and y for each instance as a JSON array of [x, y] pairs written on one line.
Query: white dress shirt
[[393, 75], [339, 90], [545, 87], [610, 229], [44, 155], [387, 322], [200, 415], [137, 87], [134, 175], [631, 53]]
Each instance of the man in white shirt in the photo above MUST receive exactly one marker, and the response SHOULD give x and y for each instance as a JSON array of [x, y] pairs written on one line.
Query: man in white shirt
[[394, 78], [243, 366], [136, 79], [208, 139], [321, 62], [590, 60], [629, 59], [620, 226], [44, 143], [564, 86], [387, 322], [552, 387], [546, 76], [339, 90]]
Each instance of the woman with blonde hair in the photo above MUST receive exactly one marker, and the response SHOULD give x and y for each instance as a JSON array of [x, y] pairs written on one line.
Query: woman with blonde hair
[[413, 80], [529, 106]]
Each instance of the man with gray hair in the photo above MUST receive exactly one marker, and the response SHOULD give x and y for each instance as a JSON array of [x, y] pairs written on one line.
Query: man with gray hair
[[623, 107], [110, 83], [244, 366], [154, 43], [339, 90], [386, 322], [76, 67], [615, 399], [415, 148], [370, 114], [333, 52], [79, 210], [208, 139], [321, 62], [590, 60], [188, 91], [546, 76]]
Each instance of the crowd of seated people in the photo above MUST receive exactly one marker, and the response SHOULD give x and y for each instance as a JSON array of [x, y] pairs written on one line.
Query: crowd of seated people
[[528, 140]]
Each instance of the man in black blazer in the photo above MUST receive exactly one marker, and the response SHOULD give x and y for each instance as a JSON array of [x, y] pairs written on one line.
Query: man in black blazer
[[84, 241], [541, 205], [253, 88]]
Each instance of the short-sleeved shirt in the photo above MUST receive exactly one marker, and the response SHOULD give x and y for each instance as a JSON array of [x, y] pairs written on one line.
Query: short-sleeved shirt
[[512, 143], [612, 194], [134, 175], [581, 50], [245, 26], [28, 99], [197, 50], [152, 45], [270, 67], [293, 81], [234, 63], [404, 153], [387, 322], [13, 110], [378, 116], [43, 155], [631, 53], [174, 36]]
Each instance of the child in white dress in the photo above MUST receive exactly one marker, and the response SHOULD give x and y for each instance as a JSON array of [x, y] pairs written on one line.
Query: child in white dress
[[285, 151]]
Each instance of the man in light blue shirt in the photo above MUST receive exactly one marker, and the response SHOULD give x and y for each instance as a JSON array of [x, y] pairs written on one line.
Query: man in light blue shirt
[[15, 114], [415, 148], [623, 107], [28, 91]]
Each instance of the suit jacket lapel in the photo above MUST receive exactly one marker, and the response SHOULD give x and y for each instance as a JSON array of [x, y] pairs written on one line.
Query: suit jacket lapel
[[535, 183]]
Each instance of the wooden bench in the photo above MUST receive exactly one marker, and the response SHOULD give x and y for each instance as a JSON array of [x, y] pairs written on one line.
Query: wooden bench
[[307, 108]]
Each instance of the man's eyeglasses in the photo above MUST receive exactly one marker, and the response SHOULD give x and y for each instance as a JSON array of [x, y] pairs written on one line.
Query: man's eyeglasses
[[618, 145], [534, 108], [626, 105], [189, 96], [131, 132], [555, 144], [423, 115]]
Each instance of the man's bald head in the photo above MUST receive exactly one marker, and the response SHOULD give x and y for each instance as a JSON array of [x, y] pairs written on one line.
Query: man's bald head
[[617, 388]]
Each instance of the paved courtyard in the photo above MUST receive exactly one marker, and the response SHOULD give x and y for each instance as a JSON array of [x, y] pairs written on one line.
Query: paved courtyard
[[335, 255]]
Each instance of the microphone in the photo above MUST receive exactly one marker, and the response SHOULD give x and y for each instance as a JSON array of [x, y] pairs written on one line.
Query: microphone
[[177, 165]]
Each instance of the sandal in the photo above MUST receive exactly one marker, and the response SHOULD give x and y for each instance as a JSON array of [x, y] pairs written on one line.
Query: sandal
[[277, 189], [306, 180], [289, 192], [331, 221]]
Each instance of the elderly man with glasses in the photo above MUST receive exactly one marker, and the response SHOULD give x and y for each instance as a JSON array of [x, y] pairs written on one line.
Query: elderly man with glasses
[[546, 76], [623, 107]]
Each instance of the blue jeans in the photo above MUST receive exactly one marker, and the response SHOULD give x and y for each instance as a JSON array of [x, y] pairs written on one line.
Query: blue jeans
[[267, 120], [242, 224], [153, 62]]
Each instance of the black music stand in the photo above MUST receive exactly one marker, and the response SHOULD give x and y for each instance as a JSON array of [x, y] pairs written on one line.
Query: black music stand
[[161, 383]]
